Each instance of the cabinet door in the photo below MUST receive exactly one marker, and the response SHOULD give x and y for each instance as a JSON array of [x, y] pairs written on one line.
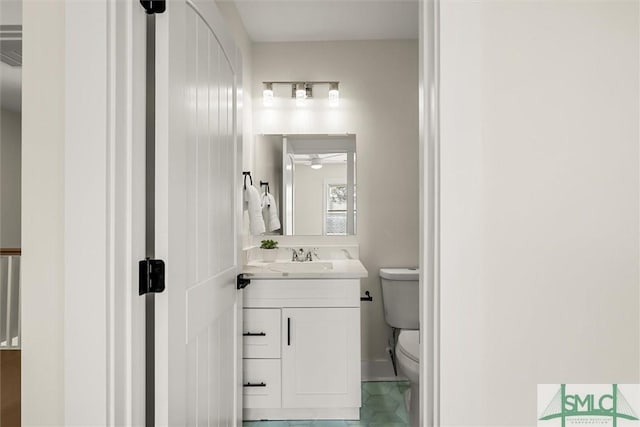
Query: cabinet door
[[321, 358]]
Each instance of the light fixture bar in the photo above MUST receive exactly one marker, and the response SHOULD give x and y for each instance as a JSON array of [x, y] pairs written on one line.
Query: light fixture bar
[[309, 82], [300, 91]]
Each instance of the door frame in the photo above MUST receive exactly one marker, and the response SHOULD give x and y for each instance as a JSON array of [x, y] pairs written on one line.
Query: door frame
[[104, 209], [104, 199], [429, 257], [109, 32]]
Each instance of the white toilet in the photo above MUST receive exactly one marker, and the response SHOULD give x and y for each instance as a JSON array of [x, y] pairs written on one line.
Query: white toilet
[[400, 298]]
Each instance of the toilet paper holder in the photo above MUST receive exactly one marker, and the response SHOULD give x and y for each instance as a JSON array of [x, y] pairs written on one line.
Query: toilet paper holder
[[367, 297]]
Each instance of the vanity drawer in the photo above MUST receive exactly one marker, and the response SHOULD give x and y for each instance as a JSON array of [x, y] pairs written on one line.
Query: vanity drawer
[[261, 383], [261, 333], [303, 293]]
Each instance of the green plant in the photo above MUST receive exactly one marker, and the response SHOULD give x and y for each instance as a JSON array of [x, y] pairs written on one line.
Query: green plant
[[268, 244]]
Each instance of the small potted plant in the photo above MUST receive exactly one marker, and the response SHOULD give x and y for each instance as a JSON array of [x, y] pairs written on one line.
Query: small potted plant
[[269, 249]]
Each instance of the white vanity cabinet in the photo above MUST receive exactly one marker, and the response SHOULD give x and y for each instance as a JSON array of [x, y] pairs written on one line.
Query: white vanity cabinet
[[309, 367]]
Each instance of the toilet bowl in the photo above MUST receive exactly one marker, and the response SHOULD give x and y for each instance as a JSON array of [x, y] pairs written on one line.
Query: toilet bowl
[[400, 296], [408, 359]]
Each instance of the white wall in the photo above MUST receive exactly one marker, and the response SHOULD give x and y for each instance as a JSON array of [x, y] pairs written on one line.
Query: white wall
[[379, 104], [10, 171], [43, 136], [309, 194], [243, 42], [540, 197]]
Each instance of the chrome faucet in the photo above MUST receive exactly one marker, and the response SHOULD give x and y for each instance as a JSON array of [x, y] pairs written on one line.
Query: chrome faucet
[[297, 255], [300, 255], [311, 254]]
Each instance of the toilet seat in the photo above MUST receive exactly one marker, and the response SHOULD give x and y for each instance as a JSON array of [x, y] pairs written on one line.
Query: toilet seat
[[409, 345]]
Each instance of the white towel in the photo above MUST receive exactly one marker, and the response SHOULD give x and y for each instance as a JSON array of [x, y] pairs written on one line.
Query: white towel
[[270, 212], [253, 205]]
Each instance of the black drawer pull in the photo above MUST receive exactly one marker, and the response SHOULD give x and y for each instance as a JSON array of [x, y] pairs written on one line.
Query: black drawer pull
[[288, 330], [254, 385], [254, 334]]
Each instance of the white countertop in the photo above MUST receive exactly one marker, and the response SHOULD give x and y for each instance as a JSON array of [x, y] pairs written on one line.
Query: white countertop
[[342, 269]]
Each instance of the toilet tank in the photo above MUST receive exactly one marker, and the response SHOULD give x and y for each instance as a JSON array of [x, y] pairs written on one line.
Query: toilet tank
[[400, 297]]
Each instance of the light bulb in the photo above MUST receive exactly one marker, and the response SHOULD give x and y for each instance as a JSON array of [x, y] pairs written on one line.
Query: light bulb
[[334, 95], [301, 94], [315, 163], [267, 95]]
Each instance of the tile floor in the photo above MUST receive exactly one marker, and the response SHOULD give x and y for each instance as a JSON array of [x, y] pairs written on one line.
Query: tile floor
[[382, 406]]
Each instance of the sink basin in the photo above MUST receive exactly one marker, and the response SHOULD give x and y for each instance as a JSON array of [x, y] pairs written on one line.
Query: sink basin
[[300, 267]]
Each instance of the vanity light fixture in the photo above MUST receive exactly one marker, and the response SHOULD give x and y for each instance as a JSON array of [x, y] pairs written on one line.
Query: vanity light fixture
[[300, 91], [267, 95], [316, 163]]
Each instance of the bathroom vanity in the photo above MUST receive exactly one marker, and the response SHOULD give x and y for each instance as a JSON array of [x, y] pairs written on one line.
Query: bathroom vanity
[[301, 340]]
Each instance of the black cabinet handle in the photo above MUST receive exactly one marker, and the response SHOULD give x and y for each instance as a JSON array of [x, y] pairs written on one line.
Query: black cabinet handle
[[254, 385], [288, 330], [254, 334]]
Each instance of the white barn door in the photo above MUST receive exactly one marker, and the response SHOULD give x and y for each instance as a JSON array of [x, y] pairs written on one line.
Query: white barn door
[[197, 370]]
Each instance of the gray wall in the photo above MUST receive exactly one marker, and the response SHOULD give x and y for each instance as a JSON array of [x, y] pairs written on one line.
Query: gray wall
[[379, 104], [10, 175]]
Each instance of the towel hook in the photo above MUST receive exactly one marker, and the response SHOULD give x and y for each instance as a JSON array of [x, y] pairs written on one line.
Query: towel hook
[[266, 184], [245, 174]]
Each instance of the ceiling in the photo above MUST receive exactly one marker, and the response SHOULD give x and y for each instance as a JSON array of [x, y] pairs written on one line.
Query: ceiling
[[10, 12], [323, 20], [10, 33], [276, 21]]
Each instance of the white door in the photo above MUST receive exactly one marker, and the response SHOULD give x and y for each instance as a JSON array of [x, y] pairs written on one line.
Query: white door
[[320, 357], [197, 353]]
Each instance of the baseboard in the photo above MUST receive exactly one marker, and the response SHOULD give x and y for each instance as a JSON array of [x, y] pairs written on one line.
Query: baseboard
[[380, 370]]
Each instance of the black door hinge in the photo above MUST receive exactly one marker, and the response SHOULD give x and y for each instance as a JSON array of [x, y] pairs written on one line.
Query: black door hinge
[[151, 276], [242, 281], [154, 6]]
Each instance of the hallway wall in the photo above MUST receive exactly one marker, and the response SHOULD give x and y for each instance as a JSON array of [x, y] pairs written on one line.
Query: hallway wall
[[540, 161], [10, 178], [43, 139]]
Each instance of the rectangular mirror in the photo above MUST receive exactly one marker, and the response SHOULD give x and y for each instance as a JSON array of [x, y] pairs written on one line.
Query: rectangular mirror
[[312, 179]]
